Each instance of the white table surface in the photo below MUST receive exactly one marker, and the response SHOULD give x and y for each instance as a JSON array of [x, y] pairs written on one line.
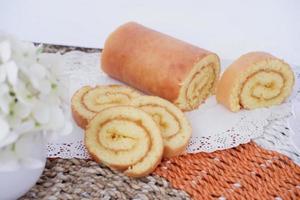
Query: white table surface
[[229, 28]]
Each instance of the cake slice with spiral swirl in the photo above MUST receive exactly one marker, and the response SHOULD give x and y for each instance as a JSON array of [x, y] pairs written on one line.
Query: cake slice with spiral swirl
[[88, 101], [125, 138], [174, 126], [255, 80]]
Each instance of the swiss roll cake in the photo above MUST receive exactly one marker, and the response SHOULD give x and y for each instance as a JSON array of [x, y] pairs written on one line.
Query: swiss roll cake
[[175, 129], [88, 101], [161, 65], [125, 138], [255, 80]]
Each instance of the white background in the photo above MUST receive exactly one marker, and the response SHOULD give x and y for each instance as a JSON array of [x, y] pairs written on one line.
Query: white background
[[229, 28]]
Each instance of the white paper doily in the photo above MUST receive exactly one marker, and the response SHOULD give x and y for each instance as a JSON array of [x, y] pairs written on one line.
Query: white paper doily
[[283, 135], [214, 127]]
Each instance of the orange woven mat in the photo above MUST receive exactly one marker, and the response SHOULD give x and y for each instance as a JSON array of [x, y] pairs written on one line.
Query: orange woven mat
[[245, 172]]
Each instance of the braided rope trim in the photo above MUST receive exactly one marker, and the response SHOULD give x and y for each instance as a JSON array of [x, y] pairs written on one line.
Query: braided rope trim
[[245, 172]]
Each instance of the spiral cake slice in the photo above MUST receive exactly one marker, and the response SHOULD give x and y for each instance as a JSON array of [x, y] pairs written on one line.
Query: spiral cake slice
[[175, 129], [88, 101], [125, 138], [255, 80], [199, 84]]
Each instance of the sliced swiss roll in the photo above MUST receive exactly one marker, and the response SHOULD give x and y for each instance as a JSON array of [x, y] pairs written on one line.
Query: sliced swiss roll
[[174, 126], [255, 80], [88, 101], [161, 65], [125, 138]]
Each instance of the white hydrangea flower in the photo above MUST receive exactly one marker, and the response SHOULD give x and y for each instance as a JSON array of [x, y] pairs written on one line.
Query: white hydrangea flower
[[32, 100]]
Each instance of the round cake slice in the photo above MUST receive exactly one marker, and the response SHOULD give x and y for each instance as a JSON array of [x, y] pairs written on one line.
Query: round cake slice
[[88, 101], [255, 80], [174, 126], [125, 138]]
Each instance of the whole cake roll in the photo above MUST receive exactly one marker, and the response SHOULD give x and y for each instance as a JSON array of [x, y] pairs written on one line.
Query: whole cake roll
[[160, 65], [88, 101], [125, 138], [174, 126], [256, 79]]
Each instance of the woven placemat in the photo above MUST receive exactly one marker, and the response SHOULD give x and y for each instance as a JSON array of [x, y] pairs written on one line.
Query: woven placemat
[[51, 48], [85, 179], [245, 172]]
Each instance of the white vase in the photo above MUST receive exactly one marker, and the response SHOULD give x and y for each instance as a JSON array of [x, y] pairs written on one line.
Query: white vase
[[15, 183]]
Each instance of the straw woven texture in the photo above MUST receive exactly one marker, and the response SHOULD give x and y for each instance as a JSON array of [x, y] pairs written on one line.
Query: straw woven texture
[[245, 172]]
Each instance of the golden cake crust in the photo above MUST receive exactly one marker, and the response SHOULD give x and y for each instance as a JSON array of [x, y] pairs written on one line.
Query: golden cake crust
[[80, 120]]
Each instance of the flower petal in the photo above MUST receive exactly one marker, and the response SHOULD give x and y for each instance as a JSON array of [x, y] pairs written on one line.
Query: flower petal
[[5, 51], [23, 94], [4, 127], [21, 110], [44, 86], [4, 89], [38, 71], [4, 98], [12, 72], [41, 113], [2, 73], [25, 127], [10, 138], [57, 119], [23, 49], [35, 82], [4, 103]]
